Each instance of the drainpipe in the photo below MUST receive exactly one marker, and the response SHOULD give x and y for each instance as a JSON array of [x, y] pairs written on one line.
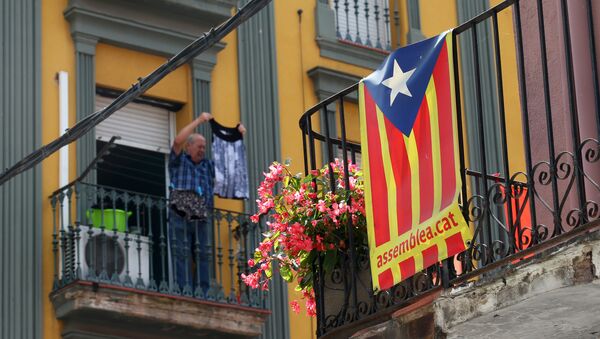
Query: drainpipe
[[63, 125]]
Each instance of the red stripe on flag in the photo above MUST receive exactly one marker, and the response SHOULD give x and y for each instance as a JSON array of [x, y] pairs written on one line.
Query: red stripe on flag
[[386, 279], [430, 256], [455, 244], [401, 168], [422, 132], [378, 182], [407, 268], [441, 76]]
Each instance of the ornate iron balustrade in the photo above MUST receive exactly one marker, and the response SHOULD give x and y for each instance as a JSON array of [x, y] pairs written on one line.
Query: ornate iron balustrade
[[121, 238], [365, 22], [513, 209]]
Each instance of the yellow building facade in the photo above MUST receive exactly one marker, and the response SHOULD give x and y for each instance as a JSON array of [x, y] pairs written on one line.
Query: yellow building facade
[[110, 45]]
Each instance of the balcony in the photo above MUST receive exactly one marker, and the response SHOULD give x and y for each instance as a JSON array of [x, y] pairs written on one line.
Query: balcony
[[113, 272], [528, 105], [357, 32]]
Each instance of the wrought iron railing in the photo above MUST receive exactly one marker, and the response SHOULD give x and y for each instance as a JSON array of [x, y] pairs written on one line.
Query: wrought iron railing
[[519, 189], [366, 22], [124, 239]]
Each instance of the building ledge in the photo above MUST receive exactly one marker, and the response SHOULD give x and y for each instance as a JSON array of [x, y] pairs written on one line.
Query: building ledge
[[547, 274], [91, 310]]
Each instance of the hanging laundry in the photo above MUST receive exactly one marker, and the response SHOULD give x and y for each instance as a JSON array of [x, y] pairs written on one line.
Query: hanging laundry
[[229, 156]]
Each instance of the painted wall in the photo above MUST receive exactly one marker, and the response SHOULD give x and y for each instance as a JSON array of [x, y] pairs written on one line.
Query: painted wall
[[116, 68], [58, 54]]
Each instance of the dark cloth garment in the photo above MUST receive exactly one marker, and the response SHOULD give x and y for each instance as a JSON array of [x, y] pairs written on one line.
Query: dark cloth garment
[[229, 155], [189, 244], [188, 176], [188, 205]]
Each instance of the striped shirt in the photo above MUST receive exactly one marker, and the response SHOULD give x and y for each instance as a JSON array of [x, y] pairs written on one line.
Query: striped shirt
[[188, 176]]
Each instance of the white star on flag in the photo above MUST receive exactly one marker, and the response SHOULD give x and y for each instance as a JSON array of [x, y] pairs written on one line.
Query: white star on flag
[[397, 82]]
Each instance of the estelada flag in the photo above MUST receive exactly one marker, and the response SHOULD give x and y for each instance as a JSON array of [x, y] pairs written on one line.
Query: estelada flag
[[410, 162]]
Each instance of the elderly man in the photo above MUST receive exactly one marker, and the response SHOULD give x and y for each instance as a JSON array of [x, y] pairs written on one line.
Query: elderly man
[[191, 198]]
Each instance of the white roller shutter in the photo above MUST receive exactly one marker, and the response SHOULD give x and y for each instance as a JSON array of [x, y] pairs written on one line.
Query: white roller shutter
[[142, 126]]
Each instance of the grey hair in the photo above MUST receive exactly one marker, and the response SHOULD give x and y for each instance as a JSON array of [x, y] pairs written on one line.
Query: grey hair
[[190, 140]]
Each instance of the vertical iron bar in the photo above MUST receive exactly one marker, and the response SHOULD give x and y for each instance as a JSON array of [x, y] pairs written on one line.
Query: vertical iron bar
[[525, 121], [163, 287], [150, 244], [103, 272], [378, 44], [186, 252], [208, 254], [347, 10], [115, 237], [329, 149], [217, 226], [231, 256], [368, 42], [549, 125], [127, 280], [580, 184], [479, 100], [461, 143], [388, 31], [592, 39], [175, 288], [357, 40], [77, 254], [198, 293], [352, 252], [501, 109], [336, 6], [311, 144], [304, 151], [55, 284]]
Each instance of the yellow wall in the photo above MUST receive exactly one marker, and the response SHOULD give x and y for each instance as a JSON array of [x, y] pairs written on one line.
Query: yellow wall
[[296, 52], [58, 54], [514, 132], [437, 16], [116, 68]]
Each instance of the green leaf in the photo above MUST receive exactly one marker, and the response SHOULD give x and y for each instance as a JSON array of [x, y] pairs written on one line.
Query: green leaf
[[257, 256], [286, 181], [269, 272], [286, 273], [330, 260]]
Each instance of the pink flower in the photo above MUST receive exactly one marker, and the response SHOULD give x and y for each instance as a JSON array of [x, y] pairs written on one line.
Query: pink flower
[[321, 206], [311, 307], [304, 216], [295, 306], [251, 279]]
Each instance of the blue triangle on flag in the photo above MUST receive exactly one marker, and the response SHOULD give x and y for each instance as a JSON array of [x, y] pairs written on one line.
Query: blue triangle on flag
[[420, 57]]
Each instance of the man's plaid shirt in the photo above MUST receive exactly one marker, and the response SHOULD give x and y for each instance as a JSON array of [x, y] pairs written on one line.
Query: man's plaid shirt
[[188, 176]]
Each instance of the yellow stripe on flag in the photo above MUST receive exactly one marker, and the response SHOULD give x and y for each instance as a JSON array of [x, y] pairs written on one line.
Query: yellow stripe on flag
[[364, 142], [389, 178], [431, 96], [454, 122], [413, 160]]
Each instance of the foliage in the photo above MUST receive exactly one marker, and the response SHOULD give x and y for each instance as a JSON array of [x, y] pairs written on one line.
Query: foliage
[[306, 220]]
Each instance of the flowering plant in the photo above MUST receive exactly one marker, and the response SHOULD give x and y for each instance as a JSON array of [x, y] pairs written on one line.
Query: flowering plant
[[306, 219]]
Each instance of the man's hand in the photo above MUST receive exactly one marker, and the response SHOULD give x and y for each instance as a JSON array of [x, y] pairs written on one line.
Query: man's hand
[[204, 117], [241, 128]]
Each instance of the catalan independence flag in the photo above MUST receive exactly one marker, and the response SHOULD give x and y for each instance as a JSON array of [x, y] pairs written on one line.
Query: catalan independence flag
[[410, 162]]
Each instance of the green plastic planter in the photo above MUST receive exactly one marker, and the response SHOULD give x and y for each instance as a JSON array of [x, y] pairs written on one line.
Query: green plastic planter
[[110, 216]]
